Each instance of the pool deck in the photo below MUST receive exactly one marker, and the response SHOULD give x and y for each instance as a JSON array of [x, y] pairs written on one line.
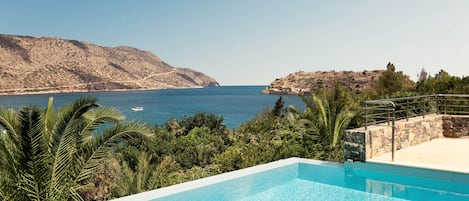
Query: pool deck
[[449, 154]]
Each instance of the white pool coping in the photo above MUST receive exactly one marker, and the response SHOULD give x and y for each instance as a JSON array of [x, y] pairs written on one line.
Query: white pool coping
[[174, 189]]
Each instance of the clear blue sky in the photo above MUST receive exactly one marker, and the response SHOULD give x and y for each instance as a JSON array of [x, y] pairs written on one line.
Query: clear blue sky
[[252, 42]]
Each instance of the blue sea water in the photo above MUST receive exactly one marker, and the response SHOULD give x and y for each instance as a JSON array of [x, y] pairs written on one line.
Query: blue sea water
[[237, 104]]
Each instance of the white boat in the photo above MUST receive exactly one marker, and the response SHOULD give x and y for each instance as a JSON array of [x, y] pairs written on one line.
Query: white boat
[[137, 109]]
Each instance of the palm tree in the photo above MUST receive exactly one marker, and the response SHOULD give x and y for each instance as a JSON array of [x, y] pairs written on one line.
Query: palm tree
[[331, 120], [142, 179], [324, 120], [50, 154], [322, 126]]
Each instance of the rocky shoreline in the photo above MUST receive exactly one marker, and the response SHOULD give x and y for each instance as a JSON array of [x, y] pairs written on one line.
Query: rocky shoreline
[[304, 83], [32, 92]]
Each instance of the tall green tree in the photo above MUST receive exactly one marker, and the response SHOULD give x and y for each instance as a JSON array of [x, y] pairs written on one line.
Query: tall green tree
[[390, 83], [50, 154], [443, 83], [277, 111]]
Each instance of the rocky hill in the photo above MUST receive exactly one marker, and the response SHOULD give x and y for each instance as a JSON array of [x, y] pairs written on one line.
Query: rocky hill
[[300, 83], [48, 64]]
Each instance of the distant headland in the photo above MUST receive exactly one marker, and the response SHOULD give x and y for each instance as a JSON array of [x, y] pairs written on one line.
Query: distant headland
[[49, 64], [301, 83]]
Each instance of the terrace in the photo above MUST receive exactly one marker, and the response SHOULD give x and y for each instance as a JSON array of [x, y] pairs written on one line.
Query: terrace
[[413, 148], [423, 131]]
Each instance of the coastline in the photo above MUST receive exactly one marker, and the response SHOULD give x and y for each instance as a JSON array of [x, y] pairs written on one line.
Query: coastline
[[237, 104], [57, 91]]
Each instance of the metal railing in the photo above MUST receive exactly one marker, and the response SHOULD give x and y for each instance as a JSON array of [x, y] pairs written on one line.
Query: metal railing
[[380, 108], [379, 111], [387, 111], [453, 104]]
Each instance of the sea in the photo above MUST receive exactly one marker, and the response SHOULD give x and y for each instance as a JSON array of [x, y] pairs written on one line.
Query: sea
[[237, 104]]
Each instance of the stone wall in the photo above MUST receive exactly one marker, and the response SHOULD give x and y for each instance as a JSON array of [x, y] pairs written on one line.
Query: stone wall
[[361, 145], [354, 145], [455, 126]]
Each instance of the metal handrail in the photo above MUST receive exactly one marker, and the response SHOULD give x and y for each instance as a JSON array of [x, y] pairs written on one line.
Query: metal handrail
[[387, 106]]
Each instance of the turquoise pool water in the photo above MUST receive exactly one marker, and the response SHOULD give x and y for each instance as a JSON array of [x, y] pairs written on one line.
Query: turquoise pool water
[[300, 179]]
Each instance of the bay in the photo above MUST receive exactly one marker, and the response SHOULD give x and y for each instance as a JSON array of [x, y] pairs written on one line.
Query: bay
[[237, 104]]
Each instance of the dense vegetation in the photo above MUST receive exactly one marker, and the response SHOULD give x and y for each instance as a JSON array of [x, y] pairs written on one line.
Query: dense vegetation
[[49, 154]]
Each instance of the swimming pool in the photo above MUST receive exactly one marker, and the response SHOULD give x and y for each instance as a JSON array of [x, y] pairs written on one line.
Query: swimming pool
[[303, 179]]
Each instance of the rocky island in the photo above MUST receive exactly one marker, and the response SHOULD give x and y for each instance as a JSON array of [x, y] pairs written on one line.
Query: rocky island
[[49, 64], [301, 83]]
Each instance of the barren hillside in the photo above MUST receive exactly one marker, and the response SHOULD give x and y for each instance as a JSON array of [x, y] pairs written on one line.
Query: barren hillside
[[48, 64]]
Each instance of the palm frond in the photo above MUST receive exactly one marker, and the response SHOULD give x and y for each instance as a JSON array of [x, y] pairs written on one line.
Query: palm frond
[[105, 142], [49, 119], [323, 117], [27, 183], [7, 157], [94, 119], [39, 151], [30, 164], [70, 116], [126, 180], [74, 195], [341, 122], [147, 169], [64, 145], [8, 124], [7, 185], [63, 159]]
